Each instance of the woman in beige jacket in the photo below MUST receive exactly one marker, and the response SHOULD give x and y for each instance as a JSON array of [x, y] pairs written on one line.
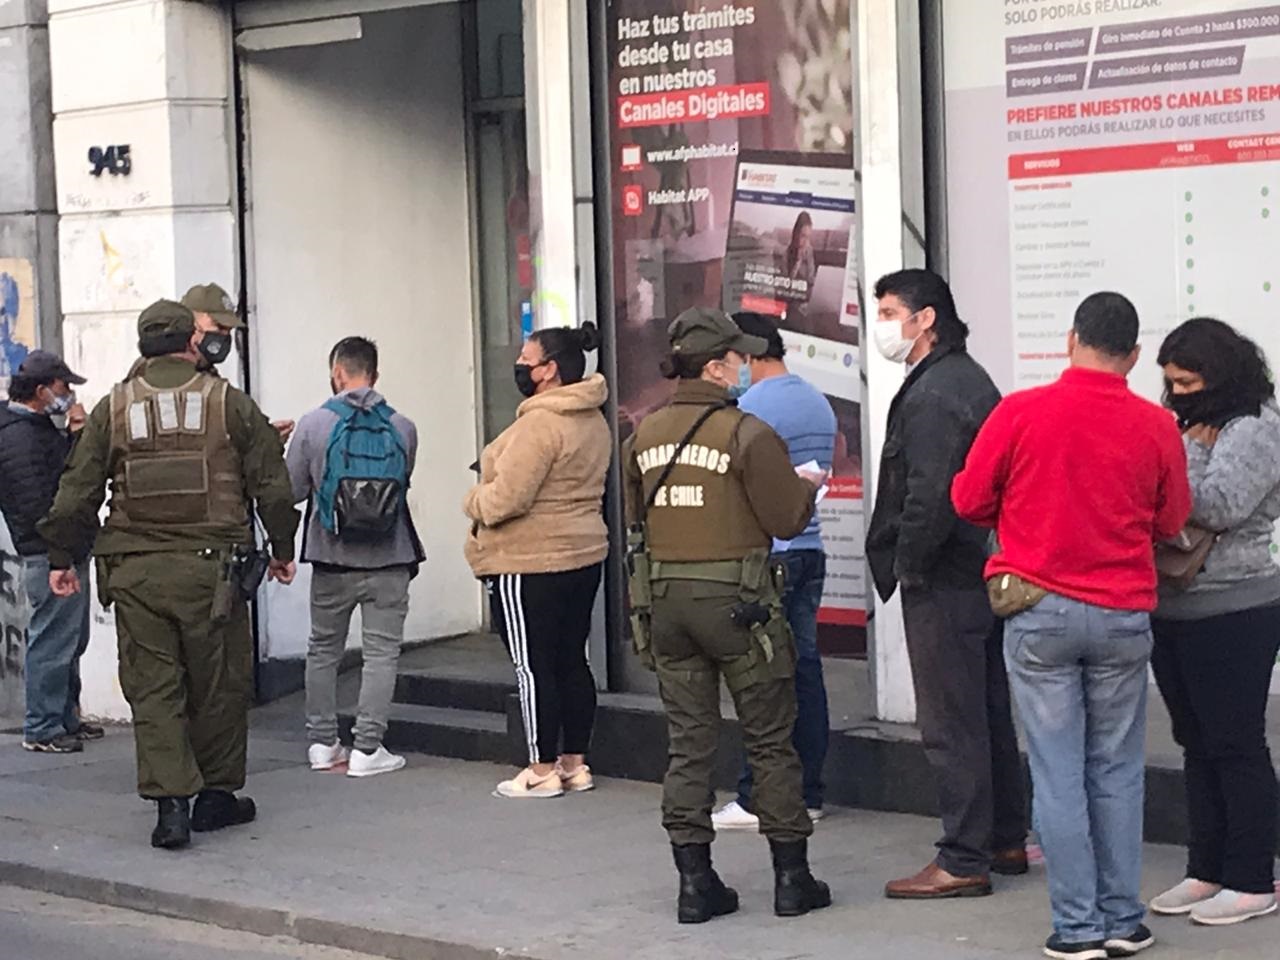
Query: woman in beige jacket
[[538, 542]]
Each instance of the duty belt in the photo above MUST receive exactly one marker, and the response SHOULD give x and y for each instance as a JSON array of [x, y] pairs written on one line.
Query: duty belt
[[712, 571]]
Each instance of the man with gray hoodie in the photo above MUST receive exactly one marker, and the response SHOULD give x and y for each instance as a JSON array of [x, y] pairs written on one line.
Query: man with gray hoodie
[[364, 550]]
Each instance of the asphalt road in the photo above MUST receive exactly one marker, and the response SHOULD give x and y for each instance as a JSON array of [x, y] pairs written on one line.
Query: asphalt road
[[37, 926]]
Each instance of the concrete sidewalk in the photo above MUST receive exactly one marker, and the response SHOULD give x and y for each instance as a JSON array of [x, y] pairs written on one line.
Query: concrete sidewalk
[[426, 864]]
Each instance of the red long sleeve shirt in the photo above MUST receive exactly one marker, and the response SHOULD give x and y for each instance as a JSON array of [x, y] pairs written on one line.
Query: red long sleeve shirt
[[1079, 479]]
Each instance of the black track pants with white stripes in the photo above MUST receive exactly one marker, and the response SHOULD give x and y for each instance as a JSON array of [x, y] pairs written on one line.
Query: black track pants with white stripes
[[544, 619]]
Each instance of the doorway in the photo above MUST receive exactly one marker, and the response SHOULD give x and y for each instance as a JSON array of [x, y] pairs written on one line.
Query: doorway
[[359, 221]]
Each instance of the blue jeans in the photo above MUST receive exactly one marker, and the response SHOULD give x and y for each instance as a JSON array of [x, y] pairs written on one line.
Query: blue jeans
[[806, 573], [57, 637], [1079, 677]]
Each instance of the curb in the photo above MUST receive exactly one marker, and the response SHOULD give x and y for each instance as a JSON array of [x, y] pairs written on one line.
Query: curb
[[263, 921]]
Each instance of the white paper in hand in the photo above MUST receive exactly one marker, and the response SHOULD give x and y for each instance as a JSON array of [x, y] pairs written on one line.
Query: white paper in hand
[[813, 466]]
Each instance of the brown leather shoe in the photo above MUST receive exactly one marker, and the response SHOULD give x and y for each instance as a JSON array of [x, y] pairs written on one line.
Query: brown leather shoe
[[1011, 862], [934, 883]]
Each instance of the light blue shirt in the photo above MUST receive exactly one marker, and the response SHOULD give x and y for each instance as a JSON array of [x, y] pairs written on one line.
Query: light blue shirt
[[802, 416]]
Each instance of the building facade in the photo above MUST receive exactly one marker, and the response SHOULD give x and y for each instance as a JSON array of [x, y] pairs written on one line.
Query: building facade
[[446, 176]]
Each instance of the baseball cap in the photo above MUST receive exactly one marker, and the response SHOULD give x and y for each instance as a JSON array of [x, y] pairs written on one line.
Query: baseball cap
[[700, 331], [41, 366], [165, 316], [212, 299]]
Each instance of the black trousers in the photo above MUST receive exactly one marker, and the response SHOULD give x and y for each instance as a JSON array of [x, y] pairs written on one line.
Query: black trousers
[[544, 620], [956, 647], [1213, 675]]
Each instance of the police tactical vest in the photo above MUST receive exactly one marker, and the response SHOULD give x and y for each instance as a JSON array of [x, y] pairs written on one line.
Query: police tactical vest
[[174, 462], [702, 511]]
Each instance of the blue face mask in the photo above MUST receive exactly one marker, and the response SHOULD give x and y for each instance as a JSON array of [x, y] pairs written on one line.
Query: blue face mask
[[60, 405], [744, 381]]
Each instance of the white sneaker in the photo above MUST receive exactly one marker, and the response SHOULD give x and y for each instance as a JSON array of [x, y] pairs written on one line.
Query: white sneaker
[[816, 814], [324, 757], [1180, 899], [1230, 906], [527, 785], [732, 817], [381, 760]]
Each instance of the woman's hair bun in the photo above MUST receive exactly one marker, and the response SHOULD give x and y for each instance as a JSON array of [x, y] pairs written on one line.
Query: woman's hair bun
[[589, 337]]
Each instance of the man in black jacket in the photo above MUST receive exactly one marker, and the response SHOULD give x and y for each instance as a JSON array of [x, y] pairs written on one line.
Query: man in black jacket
[[916, 542], [33, 451]]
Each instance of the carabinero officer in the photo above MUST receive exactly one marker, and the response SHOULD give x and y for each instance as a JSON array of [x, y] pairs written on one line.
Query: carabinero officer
[[187, 456], [707, 488]]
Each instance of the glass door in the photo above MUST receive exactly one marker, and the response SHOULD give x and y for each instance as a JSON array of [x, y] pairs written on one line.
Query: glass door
[[505, 271]]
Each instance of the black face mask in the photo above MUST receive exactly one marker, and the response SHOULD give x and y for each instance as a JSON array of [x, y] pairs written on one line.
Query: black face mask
[[524, 377], [1211, 408], [215, 346]]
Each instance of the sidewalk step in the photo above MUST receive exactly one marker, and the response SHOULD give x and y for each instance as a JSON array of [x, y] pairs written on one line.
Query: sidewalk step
[[427, 689], [444, 732]]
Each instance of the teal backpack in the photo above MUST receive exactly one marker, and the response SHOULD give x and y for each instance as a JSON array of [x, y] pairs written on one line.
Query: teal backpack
[[366, 474]]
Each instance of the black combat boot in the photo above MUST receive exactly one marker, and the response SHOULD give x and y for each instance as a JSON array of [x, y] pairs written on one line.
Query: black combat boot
[[703, 894], [173, 827], [795, 891], [216, 809]]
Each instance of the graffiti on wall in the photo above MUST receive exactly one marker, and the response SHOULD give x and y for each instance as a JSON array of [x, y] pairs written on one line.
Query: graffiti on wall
[[14, 616], [17, 313]]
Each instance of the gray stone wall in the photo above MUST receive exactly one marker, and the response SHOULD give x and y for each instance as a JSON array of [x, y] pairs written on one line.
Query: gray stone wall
[[29, 301]]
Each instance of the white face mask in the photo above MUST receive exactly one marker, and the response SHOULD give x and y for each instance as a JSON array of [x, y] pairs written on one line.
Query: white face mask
[[893, 346], [60, 405]]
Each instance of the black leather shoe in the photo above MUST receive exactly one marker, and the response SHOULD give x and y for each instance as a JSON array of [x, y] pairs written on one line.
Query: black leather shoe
[[173, 826], [703, 894], [216, 809], [795, 891]]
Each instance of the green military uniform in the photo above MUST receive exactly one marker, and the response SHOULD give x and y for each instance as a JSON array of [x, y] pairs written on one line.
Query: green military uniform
[[709, 534], [186, 456]]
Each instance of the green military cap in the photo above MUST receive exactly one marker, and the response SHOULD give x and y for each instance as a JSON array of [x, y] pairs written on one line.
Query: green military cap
[[702, 331], [212, 299], [165, 316]]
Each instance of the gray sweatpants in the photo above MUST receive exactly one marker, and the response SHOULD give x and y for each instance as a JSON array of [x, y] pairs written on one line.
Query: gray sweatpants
[[383, 598]]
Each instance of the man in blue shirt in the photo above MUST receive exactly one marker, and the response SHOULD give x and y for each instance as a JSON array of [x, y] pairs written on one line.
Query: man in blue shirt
[[802, 416]]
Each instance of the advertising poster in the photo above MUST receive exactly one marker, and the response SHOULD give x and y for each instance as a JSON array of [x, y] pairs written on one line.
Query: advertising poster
[[728, 122], [1131, 145]]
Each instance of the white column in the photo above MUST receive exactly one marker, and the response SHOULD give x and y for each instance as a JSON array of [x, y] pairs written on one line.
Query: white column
[[561, 191], [549, 127], [882, 249], [153, 75]]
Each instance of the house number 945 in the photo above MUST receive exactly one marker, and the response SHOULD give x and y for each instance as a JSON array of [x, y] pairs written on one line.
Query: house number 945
[[113, 160]]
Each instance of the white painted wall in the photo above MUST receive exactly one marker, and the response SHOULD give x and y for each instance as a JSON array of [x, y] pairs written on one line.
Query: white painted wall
[[360, 225], [153, 74]]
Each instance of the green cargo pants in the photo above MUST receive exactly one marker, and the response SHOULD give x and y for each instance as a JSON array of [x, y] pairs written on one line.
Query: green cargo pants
[[695, 643], [188, 680]]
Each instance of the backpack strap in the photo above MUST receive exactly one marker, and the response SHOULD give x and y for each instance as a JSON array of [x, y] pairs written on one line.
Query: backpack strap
[[339, 407]]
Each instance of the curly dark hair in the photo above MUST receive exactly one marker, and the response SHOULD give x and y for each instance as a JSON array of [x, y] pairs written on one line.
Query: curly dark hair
[[1229, 362], [918, 289]]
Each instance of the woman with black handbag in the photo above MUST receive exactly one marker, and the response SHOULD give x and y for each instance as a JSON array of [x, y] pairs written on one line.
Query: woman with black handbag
[[1217, 628]]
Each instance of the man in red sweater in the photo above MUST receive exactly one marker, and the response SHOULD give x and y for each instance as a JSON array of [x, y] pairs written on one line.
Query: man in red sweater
[[1079, 479]]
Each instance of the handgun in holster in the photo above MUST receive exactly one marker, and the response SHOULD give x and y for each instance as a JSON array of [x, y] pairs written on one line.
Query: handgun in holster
[[640, 592], [248, 566], [760, 607]]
